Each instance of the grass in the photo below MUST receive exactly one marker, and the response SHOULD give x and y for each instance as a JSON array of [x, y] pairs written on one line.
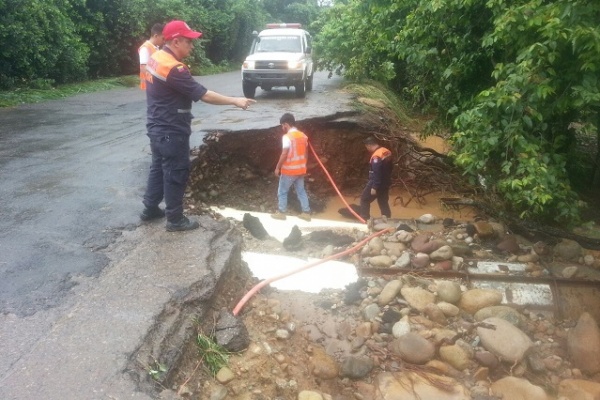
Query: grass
[[46, 91], [34, 95], [214, 356], [372, 96]]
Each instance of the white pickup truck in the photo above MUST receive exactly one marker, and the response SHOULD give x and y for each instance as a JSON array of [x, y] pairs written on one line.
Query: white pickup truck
[[281, 55]]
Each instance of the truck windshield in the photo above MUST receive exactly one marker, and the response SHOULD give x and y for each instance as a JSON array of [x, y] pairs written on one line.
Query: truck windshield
[[290, 44]]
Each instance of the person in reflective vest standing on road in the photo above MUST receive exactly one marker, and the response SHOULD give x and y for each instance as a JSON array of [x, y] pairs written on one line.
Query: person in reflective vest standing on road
[[380, 179], [291, 168], [147, 49]]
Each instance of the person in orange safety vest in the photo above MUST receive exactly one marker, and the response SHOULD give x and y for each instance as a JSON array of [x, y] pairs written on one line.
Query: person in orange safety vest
[[147, 49], [291, 168], [380, 179]]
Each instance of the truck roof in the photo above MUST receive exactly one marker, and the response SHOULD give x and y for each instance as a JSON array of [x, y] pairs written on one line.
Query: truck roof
[[283, 32]]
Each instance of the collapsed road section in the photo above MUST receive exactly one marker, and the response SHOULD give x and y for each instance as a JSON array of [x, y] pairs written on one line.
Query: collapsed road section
[[443, 309]]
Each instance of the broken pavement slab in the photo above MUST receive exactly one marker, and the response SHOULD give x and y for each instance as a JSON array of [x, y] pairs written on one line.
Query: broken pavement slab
[[141, 310]]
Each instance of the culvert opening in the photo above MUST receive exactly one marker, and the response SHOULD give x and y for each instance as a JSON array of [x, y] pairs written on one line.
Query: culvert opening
[[235, 169]]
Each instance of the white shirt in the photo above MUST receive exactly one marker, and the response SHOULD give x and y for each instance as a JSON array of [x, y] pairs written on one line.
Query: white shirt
[[286, 143], [145, 55]]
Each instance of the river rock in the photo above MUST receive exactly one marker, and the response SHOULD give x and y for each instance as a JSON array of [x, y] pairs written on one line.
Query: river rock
[[401, 327], [389, 292], [309, 395], [569, 272], [375, 246], [507, 341], [404, 236], [455, 355], [403, 261], [323, 365], [413, 348], [442, 254], [371, 311], [474, 300], [505, 312], [509, 244], [417, 298], [583, 344], [225, 375], [420, 260], [449, 310], [487, 359], [381, 261], [484, 229], [448, 291], [577, 389], [413, 386], [514, 388], [423, 244], [356, 367], [568, 250], [427, 218], [445, 265], [394, 249], [434, 313]]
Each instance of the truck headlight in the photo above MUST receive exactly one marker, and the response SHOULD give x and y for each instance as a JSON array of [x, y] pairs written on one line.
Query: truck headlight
[[294, 64], [248, 65]]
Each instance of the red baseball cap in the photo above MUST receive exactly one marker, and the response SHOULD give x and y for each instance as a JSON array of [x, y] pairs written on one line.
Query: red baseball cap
[[179, 29]]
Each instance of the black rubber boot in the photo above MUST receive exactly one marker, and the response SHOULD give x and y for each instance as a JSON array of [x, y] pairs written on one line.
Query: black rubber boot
[[184, 224], [152, 213]]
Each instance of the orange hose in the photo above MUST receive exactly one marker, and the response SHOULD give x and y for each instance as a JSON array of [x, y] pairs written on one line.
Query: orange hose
[[264, 283], [361, 219]]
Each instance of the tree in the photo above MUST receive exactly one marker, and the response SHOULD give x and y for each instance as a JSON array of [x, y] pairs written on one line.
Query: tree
[[39, 43]]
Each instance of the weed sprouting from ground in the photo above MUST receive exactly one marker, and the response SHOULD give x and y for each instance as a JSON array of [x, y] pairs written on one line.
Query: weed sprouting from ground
[[214, 356]]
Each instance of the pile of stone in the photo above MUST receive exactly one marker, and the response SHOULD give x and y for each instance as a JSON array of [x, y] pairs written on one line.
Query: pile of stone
[[455, 246], [403, 336]]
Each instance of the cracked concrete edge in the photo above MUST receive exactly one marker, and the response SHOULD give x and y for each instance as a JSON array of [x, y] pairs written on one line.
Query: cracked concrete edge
[[176, 326], [141, 305]]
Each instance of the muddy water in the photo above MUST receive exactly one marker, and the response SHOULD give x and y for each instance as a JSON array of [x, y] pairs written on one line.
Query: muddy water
[[414, 209]]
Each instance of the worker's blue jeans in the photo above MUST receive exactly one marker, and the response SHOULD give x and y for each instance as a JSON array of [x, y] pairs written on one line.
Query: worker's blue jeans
[[169, 173], [285, 183]]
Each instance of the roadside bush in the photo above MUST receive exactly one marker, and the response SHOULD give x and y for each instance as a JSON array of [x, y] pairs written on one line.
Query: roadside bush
[[39, 41]]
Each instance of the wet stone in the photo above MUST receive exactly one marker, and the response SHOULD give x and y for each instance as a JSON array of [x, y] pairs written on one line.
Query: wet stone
[[413, 348], [448, 291], [417, 298], [389, 292], [356, 367]]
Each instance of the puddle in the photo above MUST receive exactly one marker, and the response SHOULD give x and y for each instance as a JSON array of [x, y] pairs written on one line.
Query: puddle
[[412, 211], [329, 275]]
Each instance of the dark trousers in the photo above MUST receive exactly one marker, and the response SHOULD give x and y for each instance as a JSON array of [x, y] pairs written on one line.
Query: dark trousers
[[169, 173], [382, 196]]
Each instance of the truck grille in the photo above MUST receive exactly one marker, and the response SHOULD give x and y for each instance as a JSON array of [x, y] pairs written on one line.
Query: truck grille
[[271, 65]]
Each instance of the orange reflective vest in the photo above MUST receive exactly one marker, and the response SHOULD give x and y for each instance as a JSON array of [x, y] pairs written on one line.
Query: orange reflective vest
[[160, 64], [382, 153], [295, 163], [151, 50]]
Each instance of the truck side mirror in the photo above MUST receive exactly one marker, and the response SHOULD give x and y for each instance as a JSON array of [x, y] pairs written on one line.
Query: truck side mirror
[[308, 49]]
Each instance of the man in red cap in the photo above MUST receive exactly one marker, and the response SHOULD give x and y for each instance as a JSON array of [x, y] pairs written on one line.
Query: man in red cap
[[170, 91]]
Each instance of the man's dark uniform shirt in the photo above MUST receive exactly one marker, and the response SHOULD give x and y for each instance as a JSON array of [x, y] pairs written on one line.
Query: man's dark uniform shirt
[[170, 102], [380, 173]]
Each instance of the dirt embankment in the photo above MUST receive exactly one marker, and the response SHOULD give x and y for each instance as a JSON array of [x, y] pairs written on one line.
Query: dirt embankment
[[235, 169]]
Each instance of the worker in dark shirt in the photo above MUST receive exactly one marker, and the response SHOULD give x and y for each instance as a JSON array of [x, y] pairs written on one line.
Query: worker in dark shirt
[[380, 179], [170, 91]]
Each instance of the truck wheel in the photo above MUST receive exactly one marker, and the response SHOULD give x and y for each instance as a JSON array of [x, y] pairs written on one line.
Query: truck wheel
[[309, 82], [301, 89], [249, 90]]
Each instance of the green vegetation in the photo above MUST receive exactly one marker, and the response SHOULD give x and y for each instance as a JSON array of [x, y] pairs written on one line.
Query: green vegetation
[[516, 81], [67, 41], [213, 355]]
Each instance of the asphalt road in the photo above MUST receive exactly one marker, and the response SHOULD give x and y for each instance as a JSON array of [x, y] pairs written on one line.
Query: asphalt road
[[73, 173]]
